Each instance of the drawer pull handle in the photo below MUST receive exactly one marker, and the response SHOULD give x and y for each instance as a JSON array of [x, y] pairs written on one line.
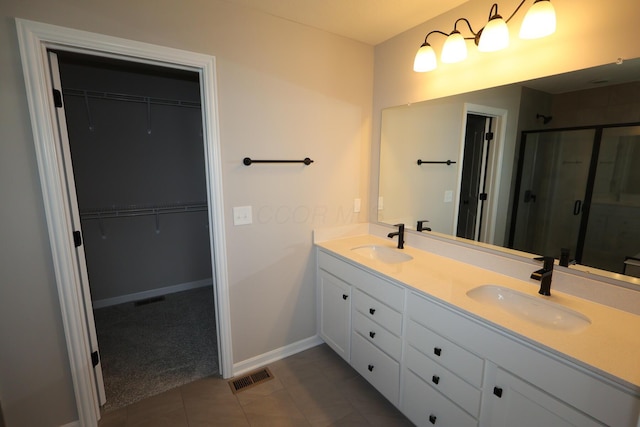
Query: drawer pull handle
[[370, 368], [432, 419], [435, 379], [372, 334], [497, 391], [437, 351], [372, 311], [345, 296]]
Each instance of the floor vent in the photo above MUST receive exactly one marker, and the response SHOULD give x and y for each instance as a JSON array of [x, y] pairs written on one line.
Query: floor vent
[[250, 380], [148, 301]]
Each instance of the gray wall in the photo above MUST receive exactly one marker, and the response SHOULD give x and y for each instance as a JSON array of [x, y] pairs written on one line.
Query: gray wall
[[128, 154], [284, 90]]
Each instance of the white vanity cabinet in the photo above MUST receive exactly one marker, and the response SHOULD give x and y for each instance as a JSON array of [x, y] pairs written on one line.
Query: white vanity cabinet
[[335, 313], [442, 366], [514, 401], [521, 385], [375, 323]]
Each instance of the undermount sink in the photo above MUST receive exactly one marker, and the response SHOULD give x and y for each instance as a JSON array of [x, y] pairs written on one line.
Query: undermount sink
[[382, 253], [528, 307]]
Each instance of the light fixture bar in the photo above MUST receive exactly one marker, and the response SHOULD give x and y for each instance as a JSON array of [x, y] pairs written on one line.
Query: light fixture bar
[[540, 21]]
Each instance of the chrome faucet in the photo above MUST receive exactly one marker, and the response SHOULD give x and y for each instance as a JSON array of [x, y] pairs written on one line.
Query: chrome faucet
[[544, 275], [400, 234]]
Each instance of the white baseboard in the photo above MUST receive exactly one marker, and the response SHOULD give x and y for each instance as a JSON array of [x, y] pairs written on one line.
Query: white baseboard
[[274, 355], [152, 293]]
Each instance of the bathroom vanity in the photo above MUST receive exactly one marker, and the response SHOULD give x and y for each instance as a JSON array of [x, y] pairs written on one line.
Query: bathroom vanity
[[453, 344]]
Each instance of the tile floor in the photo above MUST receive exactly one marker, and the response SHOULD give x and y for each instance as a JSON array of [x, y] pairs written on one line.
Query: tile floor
[[312, 388]]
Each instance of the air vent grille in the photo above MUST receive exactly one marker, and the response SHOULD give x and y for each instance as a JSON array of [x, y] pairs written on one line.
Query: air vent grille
[[252, 379]]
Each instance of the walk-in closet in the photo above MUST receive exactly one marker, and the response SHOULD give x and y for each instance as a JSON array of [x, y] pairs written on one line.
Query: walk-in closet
[[135, 136]]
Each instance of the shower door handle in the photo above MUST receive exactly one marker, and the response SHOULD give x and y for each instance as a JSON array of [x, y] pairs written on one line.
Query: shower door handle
[[577, 207]]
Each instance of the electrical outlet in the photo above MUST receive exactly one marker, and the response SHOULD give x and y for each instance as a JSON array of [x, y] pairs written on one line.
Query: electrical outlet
[[242, 215], [356, 205]]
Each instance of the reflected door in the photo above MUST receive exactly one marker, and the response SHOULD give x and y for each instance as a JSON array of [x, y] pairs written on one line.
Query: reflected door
[[473, 176], [551, 190]]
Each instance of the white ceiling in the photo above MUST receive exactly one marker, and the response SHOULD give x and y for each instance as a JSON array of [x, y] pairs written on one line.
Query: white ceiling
[[368, 21]]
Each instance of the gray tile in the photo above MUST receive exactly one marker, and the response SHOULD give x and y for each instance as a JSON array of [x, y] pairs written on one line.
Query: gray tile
[[312, 388]]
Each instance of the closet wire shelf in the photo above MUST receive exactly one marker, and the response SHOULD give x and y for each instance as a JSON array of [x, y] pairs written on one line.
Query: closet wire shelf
[[134, 210], [130, 98]]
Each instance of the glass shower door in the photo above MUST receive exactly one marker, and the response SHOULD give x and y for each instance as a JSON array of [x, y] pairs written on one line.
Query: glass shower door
[[613, 231], [552, 190]]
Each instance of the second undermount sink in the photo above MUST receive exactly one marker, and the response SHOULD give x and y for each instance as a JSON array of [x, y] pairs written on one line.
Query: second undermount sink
[[382, 253], [528, 307]]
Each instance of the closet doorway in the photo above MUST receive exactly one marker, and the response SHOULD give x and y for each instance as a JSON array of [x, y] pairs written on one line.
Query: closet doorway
[[138, 166], [35, 40]]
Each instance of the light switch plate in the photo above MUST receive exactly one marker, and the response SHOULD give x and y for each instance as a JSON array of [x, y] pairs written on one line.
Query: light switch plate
[[448, 196], [380, 203], [242, 215]]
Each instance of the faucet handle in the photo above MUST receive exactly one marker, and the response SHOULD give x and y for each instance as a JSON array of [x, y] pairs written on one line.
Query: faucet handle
[[420, 226], [547, 261]]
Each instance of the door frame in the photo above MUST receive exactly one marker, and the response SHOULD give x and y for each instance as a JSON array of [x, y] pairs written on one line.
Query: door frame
[[494, 171], [34, 39]]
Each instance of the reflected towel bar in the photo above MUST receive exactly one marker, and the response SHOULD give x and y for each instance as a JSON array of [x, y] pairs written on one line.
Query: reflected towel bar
[[248, 161], [447, 162]]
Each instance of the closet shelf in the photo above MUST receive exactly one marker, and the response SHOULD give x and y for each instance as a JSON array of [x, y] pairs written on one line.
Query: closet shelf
[[129, 211], [129, 98]]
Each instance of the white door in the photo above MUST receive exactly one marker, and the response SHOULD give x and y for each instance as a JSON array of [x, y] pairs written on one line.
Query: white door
[[73, 215]]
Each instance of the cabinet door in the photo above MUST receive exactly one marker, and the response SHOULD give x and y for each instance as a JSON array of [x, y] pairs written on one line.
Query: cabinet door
[[514, 402], [335, 314]]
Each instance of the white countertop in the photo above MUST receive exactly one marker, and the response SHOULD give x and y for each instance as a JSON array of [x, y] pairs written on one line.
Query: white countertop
[[610, 345]]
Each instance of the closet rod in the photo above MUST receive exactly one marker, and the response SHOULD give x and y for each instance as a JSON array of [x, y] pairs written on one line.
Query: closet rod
[[130, 211], [248, 161], [130, 98], [445, 162]]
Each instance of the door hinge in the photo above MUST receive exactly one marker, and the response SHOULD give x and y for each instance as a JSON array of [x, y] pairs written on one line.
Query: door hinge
[[488, 136], [482, 196], [95, 358], [57, 98], [77, 238]]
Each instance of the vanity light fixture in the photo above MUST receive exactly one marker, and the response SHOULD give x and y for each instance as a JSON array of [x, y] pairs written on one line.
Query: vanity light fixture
[[540, 21]]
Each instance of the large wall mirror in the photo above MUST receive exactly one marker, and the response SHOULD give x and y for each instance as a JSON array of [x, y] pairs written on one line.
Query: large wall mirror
[[539, 166]]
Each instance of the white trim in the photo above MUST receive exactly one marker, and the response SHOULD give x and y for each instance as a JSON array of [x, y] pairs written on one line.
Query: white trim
[[34, 38], [166, 290], [275, 355]]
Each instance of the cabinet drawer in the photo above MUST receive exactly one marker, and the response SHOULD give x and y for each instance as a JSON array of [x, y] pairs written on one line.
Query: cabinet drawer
[[379, 369], [443, 380], [377, 335], [390, 293], [424, 406], [466, 365], [378, 312]]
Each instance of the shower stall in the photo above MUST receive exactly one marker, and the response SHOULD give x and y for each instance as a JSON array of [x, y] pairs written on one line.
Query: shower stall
[[579, 189]]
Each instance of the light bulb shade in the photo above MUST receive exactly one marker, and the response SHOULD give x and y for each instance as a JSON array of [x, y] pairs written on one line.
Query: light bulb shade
[[540, 21], [425, 59], [454, 49], [495, 35]]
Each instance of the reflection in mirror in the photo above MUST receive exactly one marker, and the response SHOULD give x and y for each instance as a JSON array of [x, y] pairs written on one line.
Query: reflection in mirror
[[575, 189], [537, 167]]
